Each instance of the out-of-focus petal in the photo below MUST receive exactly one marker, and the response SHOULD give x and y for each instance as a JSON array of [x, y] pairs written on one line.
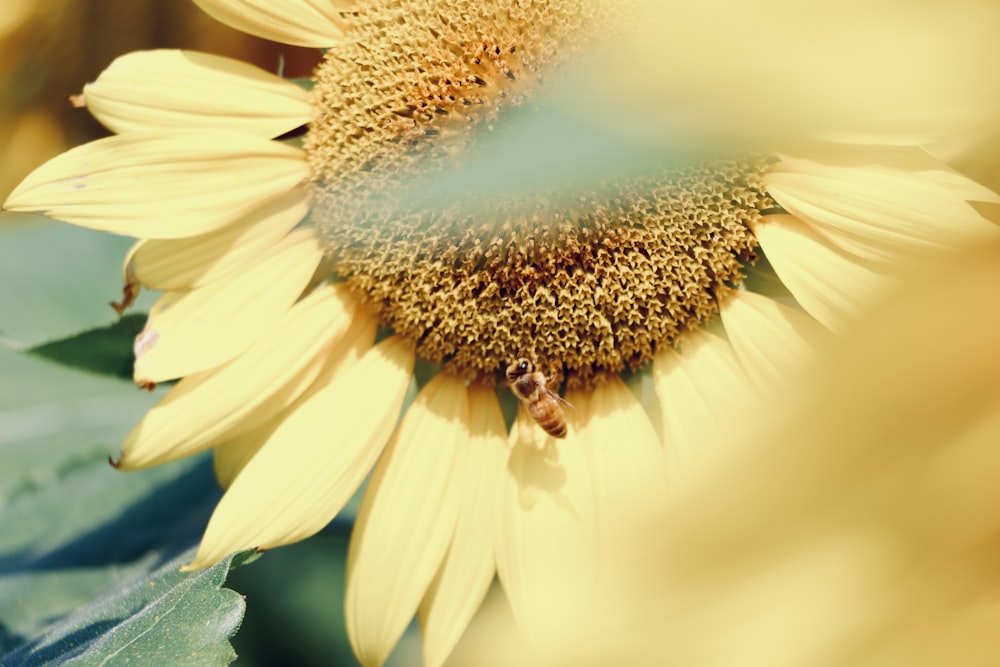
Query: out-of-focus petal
[[851, 73], [187, 90], [312, 465], [161, 184], [298, 22], [469, 567], [859, 512], [189, 332]]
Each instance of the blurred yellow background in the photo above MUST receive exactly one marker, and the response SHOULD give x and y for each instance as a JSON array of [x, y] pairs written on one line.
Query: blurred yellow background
[[50, 48]]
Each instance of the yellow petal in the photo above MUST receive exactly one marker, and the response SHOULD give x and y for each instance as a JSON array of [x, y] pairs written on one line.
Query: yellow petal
[[299, 22], [232, 456], [187, 90], [912, 160], [468, 569], [876, 212], [186, 263], [312, 465], [829, 283], [161, 184], [188, 332], [229, 458], [204, 408], [351, 348], [770, 339], [962, 187], [627, 466], [974, 153], [699, 386], [546, 531], [407, 518], [860, 512]]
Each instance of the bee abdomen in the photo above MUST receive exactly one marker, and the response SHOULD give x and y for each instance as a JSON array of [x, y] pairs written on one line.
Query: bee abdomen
[[550, 417]]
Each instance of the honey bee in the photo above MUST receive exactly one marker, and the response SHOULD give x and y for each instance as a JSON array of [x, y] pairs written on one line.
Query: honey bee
[[531, 389]]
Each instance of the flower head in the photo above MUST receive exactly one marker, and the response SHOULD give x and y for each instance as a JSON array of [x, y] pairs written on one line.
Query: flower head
[[280, 260], [857, 521]]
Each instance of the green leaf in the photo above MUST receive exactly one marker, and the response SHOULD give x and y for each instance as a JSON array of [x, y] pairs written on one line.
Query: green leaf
[[89, 555], [161, 617], [107, 350], [59, 279], [306, 83]]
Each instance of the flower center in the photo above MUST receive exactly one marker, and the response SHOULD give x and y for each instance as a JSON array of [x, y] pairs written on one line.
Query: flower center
[[583, 284], [417, 76]]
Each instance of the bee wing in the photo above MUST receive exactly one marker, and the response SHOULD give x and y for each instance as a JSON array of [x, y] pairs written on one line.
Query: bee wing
[[557, 397]]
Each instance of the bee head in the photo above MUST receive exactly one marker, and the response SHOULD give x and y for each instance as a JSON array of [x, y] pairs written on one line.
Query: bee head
[[519, 368]]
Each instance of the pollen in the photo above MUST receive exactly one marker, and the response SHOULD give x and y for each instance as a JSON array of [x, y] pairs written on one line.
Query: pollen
[[584, 284]]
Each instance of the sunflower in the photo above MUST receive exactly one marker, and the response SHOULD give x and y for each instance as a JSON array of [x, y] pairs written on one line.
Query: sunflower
[[876, 541], [312, 279]]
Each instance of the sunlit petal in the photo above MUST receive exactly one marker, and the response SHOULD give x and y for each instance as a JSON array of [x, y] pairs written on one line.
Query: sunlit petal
[[546, 530], [627, 466], [229, 458], [185, 263], [312, 465], [224, 402], [188, 332], [770, 339], [299, 22], [699, 385], [878, 212], [161, 184], [188, 90], [829, 283], [469, 567], [233, 455], [407, 518]]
